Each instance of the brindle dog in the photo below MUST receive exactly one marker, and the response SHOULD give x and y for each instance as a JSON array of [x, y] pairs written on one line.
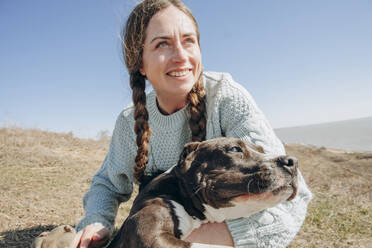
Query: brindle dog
[[214, 180]]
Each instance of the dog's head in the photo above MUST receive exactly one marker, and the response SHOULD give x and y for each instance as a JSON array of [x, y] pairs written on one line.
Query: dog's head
[[223, 171]]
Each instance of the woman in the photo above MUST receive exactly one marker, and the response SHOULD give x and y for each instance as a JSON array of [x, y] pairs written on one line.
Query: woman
[[161, 44]]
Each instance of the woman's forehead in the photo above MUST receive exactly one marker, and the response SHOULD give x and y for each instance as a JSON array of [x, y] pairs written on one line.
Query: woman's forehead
[[169, 22]]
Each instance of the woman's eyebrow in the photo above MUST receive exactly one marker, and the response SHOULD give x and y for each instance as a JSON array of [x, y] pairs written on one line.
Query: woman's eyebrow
[[168, 37], [162, 37]]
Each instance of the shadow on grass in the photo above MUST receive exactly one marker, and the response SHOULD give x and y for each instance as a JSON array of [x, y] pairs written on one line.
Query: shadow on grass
[[22, 238]]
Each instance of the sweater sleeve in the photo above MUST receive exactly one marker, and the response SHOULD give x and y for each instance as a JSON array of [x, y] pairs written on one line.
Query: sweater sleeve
[[277, 226], [112, 184]]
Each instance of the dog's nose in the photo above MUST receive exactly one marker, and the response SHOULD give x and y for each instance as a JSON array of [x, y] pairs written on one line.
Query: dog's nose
[[287, 161]]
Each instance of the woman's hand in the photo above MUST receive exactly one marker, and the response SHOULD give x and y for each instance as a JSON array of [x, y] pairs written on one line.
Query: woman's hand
[[212, 233], [95, 235]]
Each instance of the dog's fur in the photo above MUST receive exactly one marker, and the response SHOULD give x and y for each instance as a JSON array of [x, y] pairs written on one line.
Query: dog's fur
[[214, 180]]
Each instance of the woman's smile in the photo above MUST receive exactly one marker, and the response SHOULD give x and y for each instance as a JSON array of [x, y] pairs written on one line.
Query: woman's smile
[[179, 73]]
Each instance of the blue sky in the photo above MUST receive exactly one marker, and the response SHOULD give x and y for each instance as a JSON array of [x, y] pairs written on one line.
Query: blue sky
[[304, 62]]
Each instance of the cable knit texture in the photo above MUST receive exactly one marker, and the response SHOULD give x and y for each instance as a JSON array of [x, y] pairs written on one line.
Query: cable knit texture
[[231, 111]]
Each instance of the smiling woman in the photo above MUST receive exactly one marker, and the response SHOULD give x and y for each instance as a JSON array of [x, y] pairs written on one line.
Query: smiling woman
[[161, 44], [171, 58]]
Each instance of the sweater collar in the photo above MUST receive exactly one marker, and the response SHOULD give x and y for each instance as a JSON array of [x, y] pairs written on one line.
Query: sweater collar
[[165, 122]]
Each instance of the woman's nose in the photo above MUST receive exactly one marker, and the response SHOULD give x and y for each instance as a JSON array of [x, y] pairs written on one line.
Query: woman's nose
[[179, 53]]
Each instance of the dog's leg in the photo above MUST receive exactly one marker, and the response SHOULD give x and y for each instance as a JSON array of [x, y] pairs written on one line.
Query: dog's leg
[[151, 227]]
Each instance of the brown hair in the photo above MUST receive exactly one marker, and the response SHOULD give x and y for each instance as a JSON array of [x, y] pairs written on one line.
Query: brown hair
[[134, 35]]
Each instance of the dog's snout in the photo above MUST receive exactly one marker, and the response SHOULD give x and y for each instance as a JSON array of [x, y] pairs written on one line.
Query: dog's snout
[[289, 164], [287, 161]]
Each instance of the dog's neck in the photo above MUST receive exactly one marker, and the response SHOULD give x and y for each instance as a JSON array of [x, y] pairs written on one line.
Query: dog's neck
[[173, 188], [191, 201]]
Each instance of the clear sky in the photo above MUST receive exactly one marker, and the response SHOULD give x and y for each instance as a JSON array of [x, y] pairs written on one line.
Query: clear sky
[[304, 62]]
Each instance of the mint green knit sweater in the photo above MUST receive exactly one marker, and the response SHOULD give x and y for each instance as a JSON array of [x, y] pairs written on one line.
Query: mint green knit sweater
[[231, 111]]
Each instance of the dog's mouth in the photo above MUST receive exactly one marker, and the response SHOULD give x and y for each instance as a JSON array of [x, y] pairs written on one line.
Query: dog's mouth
[[292, 186], [255, 186], [285, 192]]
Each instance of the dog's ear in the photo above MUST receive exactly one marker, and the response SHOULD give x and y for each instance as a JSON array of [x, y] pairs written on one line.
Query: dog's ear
[[188, 148], [183, 165]]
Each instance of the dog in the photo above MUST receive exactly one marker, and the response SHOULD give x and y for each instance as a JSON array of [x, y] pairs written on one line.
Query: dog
[[214, 180]]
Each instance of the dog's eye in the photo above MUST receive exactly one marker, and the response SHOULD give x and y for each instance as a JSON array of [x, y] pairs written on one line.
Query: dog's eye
[[235, 149]]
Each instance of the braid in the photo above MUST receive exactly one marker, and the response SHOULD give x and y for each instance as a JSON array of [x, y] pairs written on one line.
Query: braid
[[197, 111], [141, 127]]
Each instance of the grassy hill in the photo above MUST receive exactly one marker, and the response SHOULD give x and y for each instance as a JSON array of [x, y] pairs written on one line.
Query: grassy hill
[[44, 175]]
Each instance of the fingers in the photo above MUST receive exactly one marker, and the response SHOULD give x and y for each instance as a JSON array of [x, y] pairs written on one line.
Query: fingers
[[100, 238], [77, 238], [101, 234], [93, 234], [86, 238]]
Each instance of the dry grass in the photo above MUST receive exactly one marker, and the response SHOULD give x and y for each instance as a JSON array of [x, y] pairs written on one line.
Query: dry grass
[[43, 176], [340, 215]]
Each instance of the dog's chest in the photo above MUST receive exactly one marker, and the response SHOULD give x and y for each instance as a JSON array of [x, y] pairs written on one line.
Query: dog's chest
[[238, 210], [186, 222]]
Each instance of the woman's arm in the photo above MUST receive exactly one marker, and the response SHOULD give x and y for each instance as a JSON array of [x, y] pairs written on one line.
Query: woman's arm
[[273, 227], [111, 185], [212, 233]]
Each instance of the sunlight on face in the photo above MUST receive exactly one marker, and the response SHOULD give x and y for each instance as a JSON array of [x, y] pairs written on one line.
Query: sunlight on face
[[171, 54]]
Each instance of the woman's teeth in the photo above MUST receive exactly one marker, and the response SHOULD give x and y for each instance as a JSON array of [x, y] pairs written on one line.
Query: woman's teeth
[[178, 73]]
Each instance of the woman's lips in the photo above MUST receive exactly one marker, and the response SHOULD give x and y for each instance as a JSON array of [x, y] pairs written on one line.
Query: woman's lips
[[178, 73]]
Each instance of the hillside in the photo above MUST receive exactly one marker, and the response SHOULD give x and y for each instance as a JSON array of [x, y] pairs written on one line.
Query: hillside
[[44, 175], [353, 134]]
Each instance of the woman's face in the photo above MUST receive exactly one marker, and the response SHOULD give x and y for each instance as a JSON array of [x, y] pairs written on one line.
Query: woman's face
[[171, 58]]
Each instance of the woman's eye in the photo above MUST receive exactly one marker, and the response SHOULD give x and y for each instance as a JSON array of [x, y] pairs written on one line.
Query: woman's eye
[[162, 44], [189, 40], [236, 149]]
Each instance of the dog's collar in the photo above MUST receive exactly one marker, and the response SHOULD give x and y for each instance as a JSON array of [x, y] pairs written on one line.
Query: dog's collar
[[191, 201]]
